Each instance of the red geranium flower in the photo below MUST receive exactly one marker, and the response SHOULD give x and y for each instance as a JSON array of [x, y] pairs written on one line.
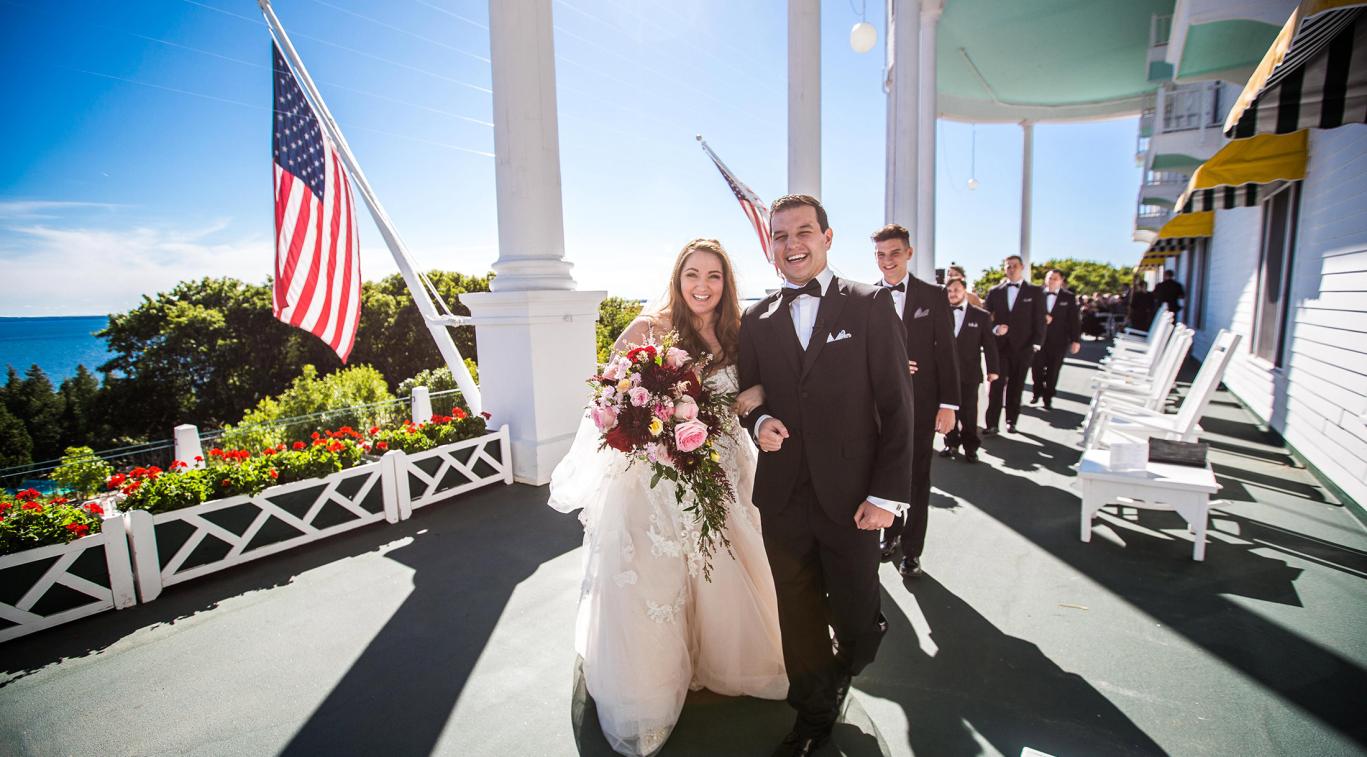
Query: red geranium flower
[[225, 482], [80, 529], [459, 413], [299, 445], [94, 509], [487, 415], [374, 430], [274, 474], [27, 494], [381, 445], [34, 506]]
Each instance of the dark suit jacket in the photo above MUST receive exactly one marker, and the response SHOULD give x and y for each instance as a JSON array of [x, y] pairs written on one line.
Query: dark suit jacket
[[846, 402], [1066, 325], [930, 342], [1025, 321], [974, 343]]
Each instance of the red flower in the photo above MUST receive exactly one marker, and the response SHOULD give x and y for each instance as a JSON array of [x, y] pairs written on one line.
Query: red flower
[[199, 458], [381, 445], [80, 529], [4, 506], [215, 452], [459, 413], [487, 415], [647, 350], [59, 500], [619, 439], [34, 506], [298, 445], [27, 494], [374, 430], [94, 509], [274, 474], [225, 482], [268, 452], [315, 434]]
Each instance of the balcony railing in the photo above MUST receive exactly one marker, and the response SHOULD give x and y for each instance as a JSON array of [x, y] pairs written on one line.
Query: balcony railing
[[1160, 29], [1152, 178], [1185, 107]]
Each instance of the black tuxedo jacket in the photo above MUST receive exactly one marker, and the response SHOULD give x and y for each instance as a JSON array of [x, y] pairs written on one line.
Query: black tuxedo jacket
[[1025, 321], [1065, 323], [975, 343], [846, 400], [930, 342]]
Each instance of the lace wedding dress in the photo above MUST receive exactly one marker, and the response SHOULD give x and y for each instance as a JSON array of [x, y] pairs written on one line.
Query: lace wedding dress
[[650, 627]]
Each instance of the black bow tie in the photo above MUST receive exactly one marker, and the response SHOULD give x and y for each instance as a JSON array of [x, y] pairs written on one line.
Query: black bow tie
[[1014, 285], [957, 307], [789, 294], [900, 286]]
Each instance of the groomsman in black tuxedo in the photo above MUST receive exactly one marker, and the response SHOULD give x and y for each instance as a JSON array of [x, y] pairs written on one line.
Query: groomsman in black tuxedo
[[934, 370], [974, 344], [834, 434], [1017, 309], [1062, 336]]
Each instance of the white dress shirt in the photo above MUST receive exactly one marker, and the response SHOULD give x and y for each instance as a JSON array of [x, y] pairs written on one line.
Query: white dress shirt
[[1011, 293], [803, 309], [899, 299], [958, 311], [1049, 301]]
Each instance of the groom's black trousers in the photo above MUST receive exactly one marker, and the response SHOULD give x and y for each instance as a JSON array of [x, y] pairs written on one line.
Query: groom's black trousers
[[826, 576]]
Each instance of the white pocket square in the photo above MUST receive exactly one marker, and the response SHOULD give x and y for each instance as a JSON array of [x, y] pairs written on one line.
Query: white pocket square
[[837, 337], [921, 313]]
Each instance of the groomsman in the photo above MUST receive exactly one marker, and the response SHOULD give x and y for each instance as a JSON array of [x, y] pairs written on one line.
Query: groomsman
[[974, 343], [1017, 309], [934, 370], [1062, 336]]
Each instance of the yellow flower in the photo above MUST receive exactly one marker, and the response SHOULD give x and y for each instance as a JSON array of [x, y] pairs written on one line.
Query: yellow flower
[[656, 426], [623, 385], [716, 456]]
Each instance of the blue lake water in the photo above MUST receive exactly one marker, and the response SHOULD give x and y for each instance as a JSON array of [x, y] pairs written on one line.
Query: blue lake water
[[56, 344]]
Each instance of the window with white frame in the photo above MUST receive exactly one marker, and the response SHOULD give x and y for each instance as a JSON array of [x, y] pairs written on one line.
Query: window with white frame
[[1281, 212]]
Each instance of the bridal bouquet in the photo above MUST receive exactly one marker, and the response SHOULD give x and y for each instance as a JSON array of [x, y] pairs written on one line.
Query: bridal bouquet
[[651, 404]]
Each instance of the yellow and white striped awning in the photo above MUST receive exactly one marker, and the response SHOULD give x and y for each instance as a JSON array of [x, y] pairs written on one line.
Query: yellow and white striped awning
[[1313, 76], [1243, 169]]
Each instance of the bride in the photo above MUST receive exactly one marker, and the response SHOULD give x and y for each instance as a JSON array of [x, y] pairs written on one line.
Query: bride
[[650, 627]]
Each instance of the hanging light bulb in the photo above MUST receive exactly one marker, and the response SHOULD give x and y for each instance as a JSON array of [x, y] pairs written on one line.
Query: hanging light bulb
[[973, 165], [863, 37]]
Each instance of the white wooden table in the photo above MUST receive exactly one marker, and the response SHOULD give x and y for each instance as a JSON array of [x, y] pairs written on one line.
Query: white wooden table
[[1183, 489]]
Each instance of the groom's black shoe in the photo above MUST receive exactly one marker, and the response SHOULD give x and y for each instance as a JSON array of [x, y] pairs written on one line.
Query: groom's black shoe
[[910, 567], [990, 431], [889, 548], [947, 452], [794, 745]]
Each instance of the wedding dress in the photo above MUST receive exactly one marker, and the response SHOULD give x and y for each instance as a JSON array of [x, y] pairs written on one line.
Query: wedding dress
[[650, 627]]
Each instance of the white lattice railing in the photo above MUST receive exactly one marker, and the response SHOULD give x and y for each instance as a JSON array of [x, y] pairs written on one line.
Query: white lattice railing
[[435, 474], [59, 583]]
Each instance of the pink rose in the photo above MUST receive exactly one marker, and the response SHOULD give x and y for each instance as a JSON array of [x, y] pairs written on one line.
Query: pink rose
[[658, 453], [613, 371], [686, 409], [675, 357], [690, 435], [664, 410], [604, 417], [639, 396]]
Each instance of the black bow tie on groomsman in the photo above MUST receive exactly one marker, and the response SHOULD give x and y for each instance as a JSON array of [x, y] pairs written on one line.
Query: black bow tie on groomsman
[[1013, 284], [900, 286], [958, 307], [789, 294]]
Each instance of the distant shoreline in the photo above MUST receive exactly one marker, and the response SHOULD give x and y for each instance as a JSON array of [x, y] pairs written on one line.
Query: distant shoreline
[[50, 317]]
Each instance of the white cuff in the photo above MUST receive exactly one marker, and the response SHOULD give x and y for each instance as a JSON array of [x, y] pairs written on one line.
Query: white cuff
[[758, 424], [896, 508], [947, 406]]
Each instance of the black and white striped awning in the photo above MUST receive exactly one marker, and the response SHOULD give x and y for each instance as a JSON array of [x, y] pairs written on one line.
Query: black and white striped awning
[[1225, 198], [1313, 76], [1169, 247]]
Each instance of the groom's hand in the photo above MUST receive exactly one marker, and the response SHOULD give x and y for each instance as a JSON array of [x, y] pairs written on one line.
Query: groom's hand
[[871, 517], [771, 434]]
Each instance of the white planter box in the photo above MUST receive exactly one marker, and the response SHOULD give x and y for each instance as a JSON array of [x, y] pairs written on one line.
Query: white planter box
[[48, 586], [181, 545]]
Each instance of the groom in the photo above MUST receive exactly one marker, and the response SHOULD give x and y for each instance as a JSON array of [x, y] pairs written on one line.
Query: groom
[[835, 440]]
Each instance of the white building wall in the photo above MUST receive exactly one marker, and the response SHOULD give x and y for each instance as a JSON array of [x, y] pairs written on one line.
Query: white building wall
[[1318, 398]]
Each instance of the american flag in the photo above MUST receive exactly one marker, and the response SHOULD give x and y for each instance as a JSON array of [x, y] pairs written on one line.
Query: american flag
[[317, 253], [754, 208]]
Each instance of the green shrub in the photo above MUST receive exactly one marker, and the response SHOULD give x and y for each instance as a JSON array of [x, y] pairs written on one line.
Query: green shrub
[[438, 380], [614, 315], [336, 394], [82, 472]]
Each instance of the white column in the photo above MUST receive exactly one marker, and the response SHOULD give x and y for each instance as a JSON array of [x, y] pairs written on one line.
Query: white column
[[531, 227], [1027, 184], [804, 97], [535, 334], [927, 103], [904, 40]]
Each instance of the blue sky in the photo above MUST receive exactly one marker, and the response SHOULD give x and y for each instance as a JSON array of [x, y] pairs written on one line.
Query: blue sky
[[138, 154]]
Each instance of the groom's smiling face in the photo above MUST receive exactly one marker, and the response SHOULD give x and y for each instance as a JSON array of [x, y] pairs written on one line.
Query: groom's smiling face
[[799, 244]]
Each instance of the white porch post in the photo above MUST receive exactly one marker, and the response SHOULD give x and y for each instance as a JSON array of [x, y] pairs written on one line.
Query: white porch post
[[804, 97], [928, 111], [534, 332], [903, 177], [1027, 184]]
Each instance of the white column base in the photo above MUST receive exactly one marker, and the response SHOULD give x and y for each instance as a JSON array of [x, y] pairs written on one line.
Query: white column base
[[536, 350]]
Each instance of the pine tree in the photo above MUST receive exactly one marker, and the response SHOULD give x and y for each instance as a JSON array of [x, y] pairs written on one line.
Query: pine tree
[[34, 402], [16, 448], [79, 394]]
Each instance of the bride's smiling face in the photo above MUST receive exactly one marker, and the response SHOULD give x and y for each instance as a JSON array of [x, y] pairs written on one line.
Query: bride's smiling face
[[702, 282]]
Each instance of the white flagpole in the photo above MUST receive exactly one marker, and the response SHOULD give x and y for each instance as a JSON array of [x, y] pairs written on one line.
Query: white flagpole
[[436, 323]]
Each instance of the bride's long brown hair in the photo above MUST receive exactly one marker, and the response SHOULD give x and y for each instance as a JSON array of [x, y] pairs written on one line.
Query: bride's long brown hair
[[728, 309]]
